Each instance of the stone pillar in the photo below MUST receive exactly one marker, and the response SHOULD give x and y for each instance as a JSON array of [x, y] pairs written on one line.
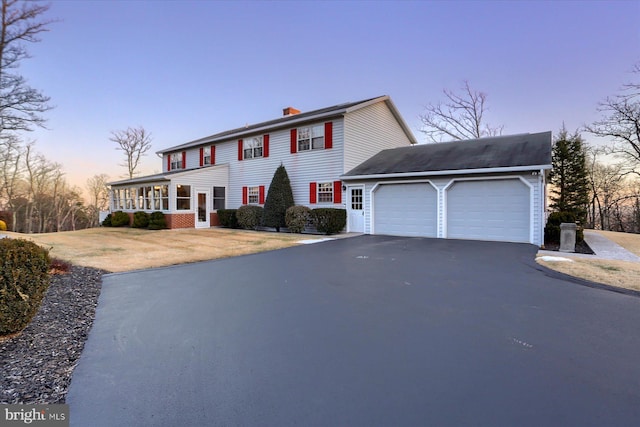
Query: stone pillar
[[568, 237]]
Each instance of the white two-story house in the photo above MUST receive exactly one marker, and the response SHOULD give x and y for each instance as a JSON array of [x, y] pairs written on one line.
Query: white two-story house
[[235, 167]]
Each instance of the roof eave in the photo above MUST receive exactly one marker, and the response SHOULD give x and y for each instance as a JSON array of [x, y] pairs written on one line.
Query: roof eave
[[213, 139], [446, 172]]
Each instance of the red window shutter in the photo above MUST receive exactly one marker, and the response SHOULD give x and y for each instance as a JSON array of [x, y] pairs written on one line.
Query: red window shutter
[[213, 154], [239, 149], [312, 192], [184, 160], [261, 188], [168, 162], [337, 191], [265, 145], [294, 141], [201, 156], [244, 195], [328, 135]]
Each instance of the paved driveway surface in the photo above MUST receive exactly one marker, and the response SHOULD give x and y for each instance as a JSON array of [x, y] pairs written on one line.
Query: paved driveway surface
[[368, 331]]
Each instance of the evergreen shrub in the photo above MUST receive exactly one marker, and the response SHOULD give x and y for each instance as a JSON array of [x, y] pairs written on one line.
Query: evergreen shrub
[[119, 219], [249, 216], [140, 219], [279, 199], [107, 221], [157, 221], [24, 279], [227, 218], [296, 218], [552, 229], [329, 220]]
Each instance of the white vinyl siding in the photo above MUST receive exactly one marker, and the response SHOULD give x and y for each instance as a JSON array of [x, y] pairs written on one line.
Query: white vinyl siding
[[368, 131], [302, 167]]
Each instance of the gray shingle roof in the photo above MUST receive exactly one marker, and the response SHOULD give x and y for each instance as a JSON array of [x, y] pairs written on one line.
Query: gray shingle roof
[[281, 122], [484, 153]]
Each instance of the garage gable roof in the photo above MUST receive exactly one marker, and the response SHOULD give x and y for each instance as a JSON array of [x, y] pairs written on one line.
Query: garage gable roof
[[529, 150]]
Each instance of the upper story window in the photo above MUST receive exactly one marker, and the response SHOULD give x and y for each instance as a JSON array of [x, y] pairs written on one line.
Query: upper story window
[[252, 147], [175, 161], [206, 155], [311, 138]]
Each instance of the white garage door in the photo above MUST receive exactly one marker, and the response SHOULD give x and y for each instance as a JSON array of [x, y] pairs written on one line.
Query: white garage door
[[405, 210], [489, 210]]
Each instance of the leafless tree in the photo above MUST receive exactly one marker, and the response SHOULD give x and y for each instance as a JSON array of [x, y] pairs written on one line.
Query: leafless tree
[[99, 195], [460, 116], [21, 106], [135, 142], [615, 196], [621, 124]]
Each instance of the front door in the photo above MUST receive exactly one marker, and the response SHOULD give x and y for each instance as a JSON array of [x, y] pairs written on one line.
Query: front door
[[355, 209], [202, 212]]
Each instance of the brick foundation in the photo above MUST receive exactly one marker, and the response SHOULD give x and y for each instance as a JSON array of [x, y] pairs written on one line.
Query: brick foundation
[[187, 220], [213, 219]]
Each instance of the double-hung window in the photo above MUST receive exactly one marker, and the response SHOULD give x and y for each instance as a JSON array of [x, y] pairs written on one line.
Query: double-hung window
[[218, 198], [206, 155], [311, 138], [253, 195], [176, 161], [325, 192], [252, 147]]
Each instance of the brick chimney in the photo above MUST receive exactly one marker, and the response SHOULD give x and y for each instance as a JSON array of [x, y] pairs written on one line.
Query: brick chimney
[[290, 111]]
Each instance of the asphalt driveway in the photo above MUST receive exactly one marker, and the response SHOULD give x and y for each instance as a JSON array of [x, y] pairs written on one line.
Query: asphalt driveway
[[368, 331]]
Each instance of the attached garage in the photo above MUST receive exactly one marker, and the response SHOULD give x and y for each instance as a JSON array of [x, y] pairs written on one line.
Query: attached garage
[[407, 209], [484, 189], [489, 210]]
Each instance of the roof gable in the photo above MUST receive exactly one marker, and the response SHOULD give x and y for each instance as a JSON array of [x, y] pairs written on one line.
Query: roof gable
[[485, 153]]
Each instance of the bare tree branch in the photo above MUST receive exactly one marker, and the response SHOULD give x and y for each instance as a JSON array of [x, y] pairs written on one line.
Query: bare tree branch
[[459, 117], [20, 105], [135, 142]]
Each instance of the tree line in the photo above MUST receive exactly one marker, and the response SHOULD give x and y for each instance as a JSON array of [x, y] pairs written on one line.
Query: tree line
[[35, 196]]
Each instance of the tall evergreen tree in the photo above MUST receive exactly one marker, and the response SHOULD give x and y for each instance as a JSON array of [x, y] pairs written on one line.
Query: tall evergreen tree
[[569, 179], [279, 199]]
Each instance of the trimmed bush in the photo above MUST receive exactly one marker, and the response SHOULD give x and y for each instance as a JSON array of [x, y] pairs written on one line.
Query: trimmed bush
[[107, 221], [3, 225], [279, 199], [24, 279], [249, 216], [227, 218], [329, 220], [157, 221], [552, 229], [297, 218], [119, 219], [140, 220]]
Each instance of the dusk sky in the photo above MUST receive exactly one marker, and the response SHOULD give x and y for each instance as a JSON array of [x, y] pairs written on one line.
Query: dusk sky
[[188, 69]]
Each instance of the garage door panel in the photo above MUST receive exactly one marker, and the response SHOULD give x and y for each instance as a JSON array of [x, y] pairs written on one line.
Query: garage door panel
[[406, 210], [489, 210]]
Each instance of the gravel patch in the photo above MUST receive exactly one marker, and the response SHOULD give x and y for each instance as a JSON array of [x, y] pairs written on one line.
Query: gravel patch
[[36, 366]]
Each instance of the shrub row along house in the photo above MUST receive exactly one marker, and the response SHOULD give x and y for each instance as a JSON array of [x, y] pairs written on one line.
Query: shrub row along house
[[361, 157]]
